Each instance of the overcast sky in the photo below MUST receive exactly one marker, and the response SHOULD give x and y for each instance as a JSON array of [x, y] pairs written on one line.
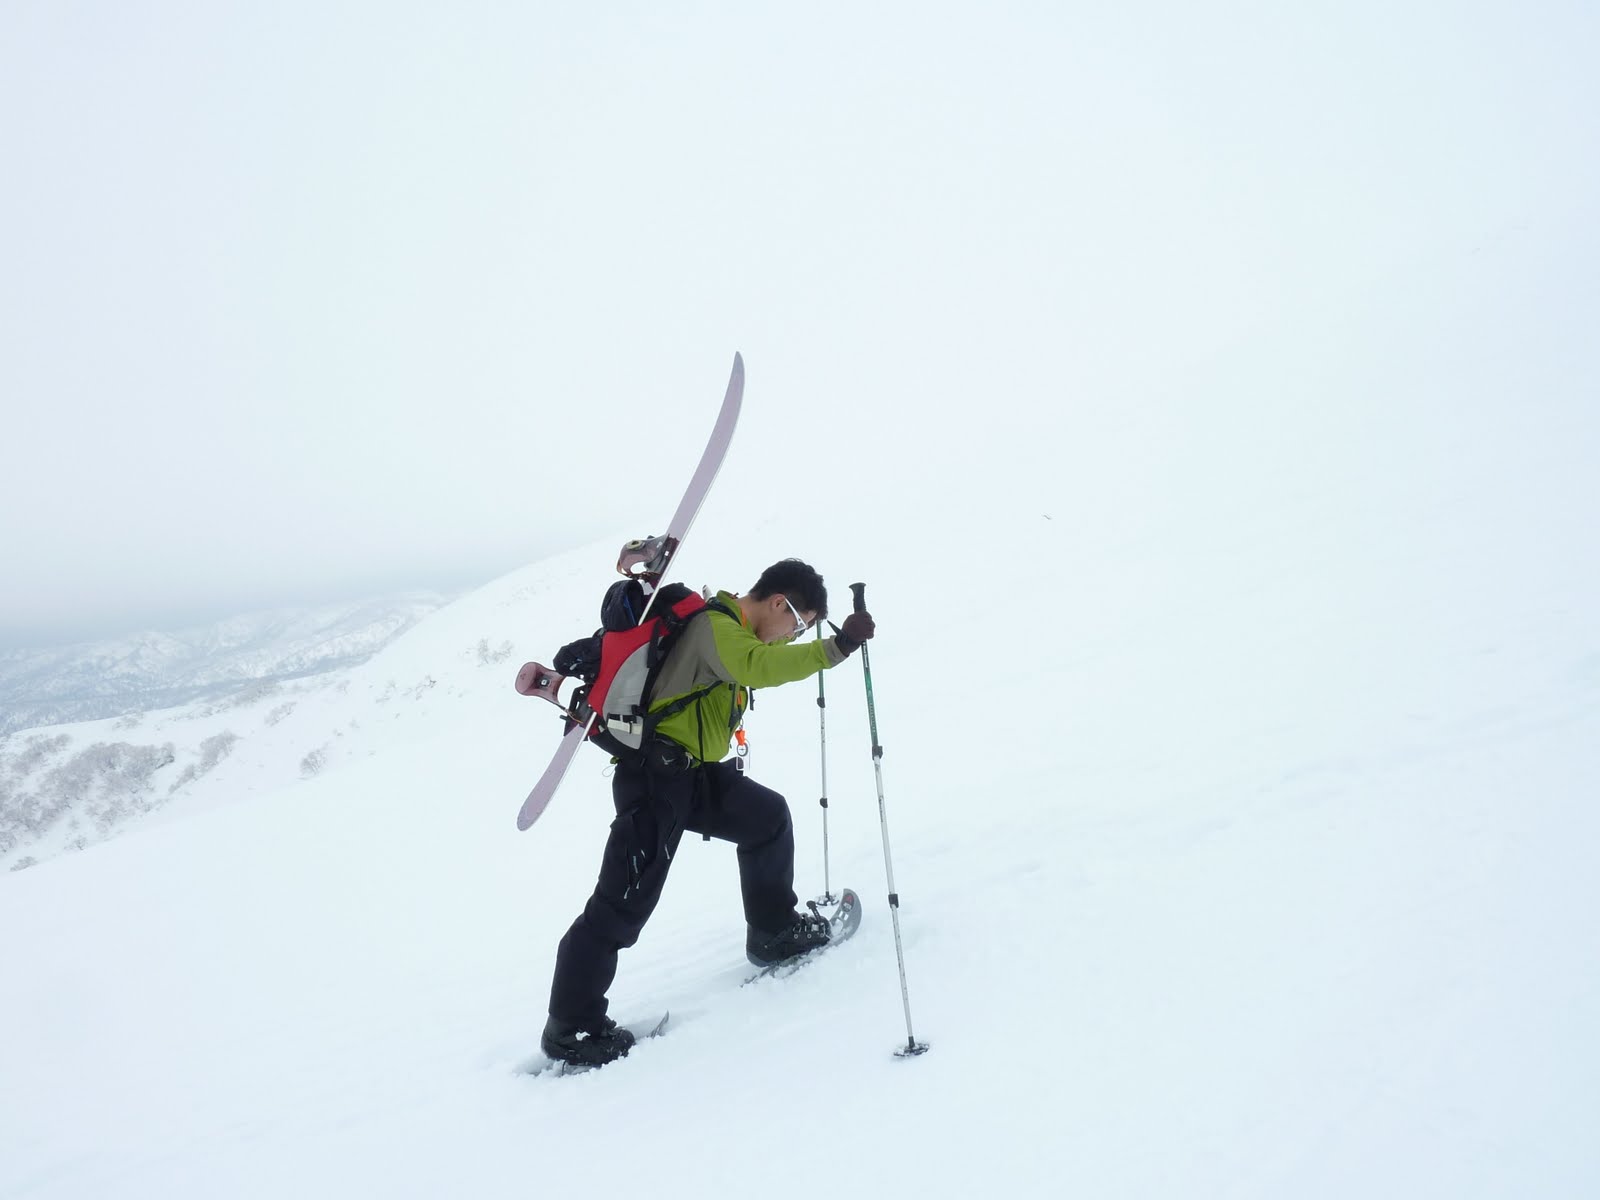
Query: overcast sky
[[305, 300]]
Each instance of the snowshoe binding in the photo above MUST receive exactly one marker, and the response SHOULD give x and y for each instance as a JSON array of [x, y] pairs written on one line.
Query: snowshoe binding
[[808, 931]]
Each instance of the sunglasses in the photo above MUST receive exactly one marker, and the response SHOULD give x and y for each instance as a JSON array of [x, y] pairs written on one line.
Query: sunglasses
[[800, 625]]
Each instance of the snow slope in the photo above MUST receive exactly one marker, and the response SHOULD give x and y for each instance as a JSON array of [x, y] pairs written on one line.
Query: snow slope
[[71, 784], [1242, 729]]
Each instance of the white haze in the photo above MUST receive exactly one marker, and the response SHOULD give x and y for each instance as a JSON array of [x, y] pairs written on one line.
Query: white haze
[[323, 300]]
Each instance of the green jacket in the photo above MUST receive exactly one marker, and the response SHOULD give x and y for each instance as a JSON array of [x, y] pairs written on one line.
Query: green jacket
[[717, 649]]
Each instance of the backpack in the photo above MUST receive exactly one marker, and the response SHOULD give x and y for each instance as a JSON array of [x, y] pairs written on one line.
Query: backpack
[[621, 661]]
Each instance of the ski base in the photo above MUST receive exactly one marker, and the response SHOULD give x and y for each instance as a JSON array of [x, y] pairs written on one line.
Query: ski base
[[644, 559], [542, 791]]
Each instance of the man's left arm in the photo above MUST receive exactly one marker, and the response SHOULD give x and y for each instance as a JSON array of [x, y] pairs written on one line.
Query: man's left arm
[[757, 664]]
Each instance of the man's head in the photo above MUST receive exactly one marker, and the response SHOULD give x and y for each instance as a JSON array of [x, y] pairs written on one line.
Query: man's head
[[786, 601]]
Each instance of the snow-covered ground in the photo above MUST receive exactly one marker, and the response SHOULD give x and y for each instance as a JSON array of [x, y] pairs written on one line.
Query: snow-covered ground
[[1242, 743]]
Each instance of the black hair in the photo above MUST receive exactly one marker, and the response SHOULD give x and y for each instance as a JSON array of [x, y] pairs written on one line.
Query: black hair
[[798, 581]]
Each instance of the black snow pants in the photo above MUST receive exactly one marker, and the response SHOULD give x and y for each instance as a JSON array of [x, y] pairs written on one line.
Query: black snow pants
[[658, 797]]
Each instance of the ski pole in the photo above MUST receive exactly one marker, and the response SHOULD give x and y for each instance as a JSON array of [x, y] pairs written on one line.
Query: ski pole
[[822, 736], [912, 1046]]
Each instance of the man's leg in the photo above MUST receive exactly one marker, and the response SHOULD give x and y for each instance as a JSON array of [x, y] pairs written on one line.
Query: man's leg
[[651, 803], [736, 809]]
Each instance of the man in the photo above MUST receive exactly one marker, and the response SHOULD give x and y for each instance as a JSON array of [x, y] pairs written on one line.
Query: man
[[677, 783]]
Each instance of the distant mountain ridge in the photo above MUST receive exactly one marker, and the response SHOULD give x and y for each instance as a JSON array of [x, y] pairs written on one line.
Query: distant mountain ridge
[[89, 681], [274, 697]]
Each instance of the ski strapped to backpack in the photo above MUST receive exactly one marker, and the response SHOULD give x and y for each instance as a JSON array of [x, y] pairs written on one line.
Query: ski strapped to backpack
[[646, 561], [619, 665]]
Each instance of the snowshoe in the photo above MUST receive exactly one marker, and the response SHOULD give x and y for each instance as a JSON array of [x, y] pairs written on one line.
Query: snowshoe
[[806, 932], [578, 1046]]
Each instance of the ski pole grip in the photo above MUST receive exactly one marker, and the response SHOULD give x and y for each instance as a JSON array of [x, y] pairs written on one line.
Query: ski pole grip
[[860, 590]]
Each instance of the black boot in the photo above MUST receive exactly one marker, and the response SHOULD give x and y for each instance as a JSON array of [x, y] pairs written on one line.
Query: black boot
[[579, 1046], [807, 932]]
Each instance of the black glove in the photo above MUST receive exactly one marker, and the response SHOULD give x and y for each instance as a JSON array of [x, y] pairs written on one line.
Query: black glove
[[858, 627]]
